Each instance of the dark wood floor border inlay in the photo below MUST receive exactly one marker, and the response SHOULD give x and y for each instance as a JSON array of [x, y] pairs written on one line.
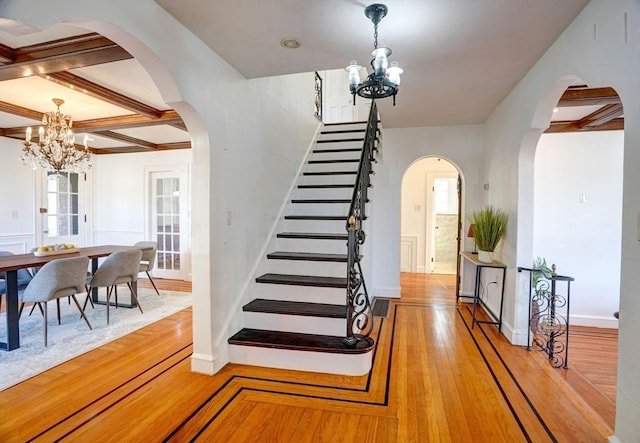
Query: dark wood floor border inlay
[[385, 402], [496, 380], [120, 386], [515, 381]]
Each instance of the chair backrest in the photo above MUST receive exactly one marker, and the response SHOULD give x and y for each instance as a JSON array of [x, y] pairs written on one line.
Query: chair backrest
[[57, 278], [149, 252], [119, 267], [24, 276]]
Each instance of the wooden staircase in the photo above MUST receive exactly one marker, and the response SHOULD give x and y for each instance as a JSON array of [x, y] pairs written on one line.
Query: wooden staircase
[[297, 316]]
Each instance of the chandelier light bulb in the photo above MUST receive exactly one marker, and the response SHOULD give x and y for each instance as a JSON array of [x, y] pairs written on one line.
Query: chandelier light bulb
[[354, 74], [394, 73]]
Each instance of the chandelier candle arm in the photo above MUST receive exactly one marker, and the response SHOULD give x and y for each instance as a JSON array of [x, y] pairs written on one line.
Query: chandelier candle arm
[[384, 81]]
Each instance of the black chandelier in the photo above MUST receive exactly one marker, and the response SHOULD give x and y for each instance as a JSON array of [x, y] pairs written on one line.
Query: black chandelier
[[384, 81]]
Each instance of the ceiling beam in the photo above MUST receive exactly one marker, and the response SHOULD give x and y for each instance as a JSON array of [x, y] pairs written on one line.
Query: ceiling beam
[[131, 149], [99, 124], [92, 89], [616, 124], [601, 116], [60, 55], [588, 97], [125, 138], [7, 54]]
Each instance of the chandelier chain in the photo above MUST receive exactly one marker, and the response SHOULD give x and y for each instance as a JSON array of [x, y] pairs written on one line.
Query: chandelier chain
[[375, 36]]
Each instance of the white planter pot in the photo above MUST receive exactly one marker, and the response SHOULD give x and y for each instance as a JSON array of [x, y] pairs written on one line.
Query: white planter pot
[[485, 256]]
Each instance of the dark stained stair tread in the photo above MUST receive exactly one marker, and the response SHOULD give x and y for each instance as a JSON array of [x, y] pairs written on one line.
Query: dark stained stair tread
[[321, 200], [338, 160], [334, 186], [342, 140], [303, 280], [343, 131], [318, 217], [312, 235], [297, 341], [329, 151], [296, 308], [331, 173], [307, 256]]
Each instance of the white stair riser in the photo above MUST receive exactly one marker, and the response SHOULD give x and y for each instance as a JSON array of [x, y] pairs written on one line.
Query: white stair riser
[[334, 142], [332, 226], [311, 245], [310, 294], [300, 267], [342, 135], [342, 364], [341, 179], [295, 323], [326, 167], [318, 193], [350, 155], [318, 209]]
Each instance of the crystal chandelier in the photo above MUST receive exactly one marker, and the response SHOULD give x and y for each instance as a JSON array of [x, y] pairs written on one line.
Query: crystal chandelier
[[55, 150], [384, 80]]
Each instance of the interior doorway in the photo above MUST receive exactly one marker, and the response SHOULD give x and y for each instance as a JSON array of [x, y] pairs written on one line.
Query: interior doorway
[[430, 225]]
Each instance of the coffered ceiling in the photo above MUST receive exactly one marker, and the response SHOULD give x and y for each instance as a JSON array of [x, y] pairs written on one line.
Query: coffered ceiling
[[460, 58]]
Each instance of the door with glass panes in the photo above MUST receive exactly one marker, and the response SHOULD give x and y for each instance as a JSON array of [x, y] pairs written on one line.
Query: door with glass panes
[[168, 209], [63, 215]]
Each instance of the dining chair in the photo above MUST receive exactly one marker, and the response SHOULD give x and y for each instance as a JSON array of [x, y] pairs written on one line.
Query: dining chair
[[117, 268], [148, 261], [24, 277], [58, 278]]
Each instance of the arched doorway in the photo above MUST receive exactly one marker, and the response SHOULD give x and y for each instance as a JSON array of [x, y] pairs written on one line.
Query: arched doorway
[[430, 217], [572, 164]]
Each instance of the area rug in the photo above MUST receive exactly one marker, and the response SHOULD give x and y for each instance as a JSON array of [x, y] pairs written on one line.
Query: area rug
[[73, 337]]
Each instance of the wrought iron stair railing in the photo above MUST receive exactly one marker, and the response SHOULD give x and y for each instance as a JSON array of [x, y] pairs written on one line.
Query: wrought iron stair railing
[[359, 315]]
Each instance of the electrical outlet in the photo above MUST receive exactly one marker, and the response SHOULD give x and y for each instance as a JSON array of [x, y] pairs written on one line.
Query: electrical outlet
[[229, 218]]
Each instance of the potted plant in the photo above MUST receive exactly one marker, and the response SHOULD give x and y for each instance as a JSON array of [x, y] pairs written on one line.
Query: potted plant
[[489, 226]]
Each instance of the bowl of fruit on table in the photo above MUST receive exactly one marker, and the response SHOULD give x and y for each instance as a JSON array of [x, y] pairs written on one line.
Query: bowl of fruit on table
[[60, 248]]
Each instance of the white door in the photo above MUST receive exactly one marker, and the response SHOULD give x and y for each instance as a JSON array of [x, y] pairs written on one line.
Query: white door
[[444, 220], [338, 101], [168, 223], [63, 215]]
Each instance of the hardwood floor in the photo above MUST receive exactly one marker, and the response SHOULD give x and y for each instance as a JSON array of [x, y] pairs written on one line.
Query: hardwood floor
[[434, 379]]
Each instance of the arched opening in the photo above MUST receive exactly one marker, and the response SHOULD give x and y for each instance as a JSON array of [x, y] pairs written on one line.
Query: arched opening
[[570, 201], [431, 205], [196, 160]]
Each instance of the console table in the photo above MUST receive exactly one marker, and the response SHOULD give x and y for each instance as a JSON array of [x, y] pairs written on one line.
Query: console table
[[477, 299]]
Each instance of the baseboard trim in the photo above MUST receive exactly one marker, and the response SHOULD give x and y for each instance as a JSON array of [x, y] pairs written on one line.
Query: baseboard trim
[[385, 292], [594, 321]]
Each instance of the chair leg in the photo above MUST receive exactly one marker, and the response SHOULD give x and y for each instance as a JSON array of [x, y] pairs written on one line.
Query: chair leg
[[81, 311], [152, 283], [45, 323], [58, 306], [135, 297], [116, 289], [88, 299], [108, 299], [20, 310]]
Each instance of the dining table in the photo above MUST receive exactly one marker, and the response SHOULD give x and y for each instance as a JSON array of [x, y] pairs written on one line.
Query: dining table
[[12, 263]]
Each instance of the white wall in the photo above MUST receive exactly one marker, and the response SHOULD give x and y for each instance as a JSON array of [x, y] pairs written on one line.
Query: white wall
[[461, 145], [119, 187], [17, 200], [600, 48], [415, 202], [248, 138], [578, 218]]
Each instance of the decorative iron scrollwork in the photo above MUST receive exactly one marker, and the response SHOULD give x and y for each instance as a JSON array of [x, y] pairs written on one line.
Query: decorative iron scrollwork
[[359, 315], [548, 315]]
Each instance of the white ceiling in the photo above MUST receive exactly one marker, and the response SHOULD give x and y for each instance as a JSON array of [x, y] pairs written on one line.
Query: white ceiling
[[461, 57]]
